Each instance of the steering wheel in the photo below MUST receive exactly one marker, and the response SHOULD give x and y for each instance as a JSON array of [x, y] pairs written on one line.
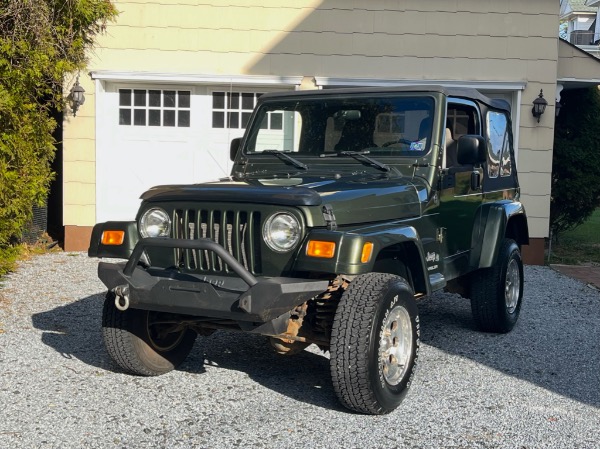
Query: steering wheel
[[392, 142]]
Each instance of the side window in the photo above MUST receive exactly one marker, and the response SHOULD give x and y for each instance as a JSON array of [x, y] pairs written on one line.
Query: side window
[[461, 119], [458, 122], [498, 162]]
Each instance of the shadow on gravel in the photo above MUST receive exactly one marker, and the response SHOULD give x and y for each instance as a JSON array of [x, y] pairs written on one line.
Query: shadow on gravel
[[555, 345], [74, 331], [303, 377]]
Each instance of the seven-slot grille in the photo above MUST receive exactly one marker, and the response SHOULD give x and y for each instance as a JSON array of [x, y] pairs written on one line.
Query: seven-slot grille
[[237, 231]]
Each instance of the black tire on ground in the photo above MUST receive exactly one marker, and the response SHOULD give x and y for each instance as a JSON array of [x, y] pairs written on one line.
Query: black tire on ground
[[374, 343], [134, 344], [497, 292]]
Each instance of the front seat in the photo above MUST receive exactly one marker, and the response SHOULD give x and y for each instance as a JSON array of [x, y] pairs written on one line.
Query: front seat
[[355, 137], [451, 145]]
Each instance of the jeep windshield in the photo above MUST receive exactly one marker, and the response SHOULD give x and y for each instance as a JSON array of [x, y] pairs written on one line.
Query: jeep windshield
[[380, 126]]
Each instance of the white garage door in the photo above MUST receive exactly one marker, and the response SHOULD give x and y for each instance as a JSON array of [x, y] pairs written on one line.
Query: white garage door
[[153, 135]]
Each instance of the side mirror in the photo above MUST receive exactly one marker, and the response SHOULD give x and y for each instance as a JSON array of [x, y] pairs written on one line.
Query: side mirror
[[234, 147], [471, 150]]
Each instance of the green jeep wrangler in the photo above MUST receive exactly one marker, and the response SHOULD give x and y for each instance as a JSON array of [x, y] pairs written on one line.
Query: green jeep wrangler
[[343, 209]]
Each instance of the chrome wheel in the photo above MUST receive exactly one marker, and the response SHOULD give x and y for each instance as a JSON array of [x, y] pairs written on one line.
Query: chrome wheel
[[512, 286], [395, 345]]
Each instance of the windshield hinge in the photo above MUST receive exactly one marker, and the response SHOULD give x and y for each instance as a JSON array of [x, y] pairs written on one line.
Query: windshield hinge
[[440, 234], [329, 217]]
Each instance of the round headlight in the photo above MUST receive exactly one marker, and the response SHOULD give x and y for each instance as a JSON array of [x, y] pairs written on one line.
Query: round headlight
[[281, 232], [155, 223]]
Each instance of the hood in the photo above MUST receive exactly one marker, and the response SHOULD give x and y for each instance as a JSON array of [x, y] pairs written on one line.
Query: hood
[[354, 199]]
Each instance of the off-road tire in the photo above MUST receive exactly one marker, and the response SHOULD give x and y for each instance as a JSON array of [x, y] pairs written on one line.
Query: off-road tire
[[358, 357], [128, 340], [490, 288]]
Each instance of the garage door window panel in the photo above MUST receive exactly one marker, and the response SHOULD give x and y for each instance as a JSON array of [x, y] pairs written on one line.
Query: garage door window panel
[[232, 110], [154, 107]]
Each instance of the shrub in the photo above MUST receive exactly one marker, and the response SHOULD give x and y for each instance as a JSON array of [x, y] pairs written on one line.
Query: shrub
[[41, 41], [576, 160]]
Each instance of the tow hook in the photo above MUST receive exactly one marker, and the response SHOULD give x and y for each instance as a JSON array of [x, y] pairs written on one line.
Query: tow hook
[[122, 297]]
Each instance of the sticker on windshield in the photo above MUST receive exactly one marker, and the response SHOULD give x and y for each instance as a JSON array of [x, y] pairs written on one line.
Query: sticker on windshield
[[417, 146]]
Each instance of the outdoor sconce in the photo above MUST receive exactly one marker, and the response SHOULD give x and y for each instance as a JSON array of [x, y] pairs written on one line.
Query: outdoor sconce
[[76, 96], [539, 105]]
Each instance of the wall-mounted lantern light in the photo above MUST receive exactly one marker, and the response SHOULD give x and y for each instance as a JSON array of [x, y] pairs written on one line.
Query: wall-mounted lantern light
[[539, 105], [76, 96]]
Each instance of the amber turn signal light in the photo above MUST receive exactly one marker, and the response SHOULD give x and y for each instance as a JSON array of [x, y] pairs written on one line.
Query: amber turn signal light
[[113, 237], [367, 251], [317, 248]]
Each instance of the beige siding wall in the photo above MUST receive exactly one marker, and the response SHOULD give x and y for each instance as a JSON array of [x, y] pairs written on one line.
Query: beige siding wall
[[477, 40], [79, 161], [576, 64]]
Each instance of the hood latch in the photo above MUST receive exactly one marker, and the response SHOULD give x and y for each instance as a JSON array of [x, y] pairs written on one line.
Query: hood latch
[[329, 217]]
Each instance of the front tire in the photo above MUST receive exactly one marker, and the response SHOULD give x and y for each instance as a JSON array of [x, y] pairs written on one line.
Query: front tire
[[139, 341], [497, 292], [374, 343]]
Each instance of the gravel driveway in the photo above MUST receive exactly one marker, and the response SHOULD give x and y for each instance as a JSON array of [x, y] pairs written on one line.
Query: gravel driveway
[[536, 387]]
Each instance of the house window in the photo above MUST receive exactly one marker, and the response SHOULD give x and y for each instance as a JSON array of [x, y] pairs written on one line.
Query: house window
[[233, 110], [154, 107]]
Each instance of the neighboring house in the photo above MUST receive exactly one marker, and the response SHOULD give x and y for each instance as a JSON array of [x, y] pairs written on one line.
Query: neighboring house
[[582, 24], [172, 82]]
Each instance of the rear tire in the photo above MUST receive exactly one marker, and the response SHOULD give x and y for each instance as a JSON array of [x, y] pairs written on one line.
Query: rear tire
[[136, 340], [374, 343], [497, 292]]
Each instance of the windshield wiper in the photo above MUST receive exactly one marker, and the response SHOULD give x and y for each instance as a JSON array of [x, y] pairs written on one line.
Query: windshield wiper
[[284, 157], [360, 156]]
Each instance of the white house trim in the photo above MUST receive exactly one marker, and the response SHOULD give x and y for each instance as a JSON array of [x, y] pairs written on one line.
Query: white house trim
[[180, 78], [584, 82], [487, 85]]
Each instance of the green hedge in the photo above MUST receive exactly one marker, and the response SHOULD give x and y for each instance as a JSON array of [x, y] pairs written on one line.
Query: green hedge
[[576, 160], [41, 43]]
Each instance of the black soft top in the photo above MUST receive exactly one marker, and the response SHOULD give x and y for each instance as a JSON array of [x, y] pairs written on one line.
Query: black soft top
[[455, 92]]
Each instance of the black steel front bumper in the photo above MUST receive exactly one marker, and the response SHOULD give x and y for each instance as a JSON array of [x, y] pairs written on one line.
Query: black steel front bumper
[[242, 298]]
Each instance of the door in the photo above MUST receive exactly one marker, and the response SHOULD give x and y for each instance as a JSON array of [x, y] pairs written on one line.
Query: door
[[460, 201]]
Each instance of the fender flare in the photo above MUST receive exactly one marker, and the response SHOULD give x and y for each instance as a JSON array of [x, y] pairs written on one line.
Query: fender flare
[[494, 223], [349, 247], [410, 241]]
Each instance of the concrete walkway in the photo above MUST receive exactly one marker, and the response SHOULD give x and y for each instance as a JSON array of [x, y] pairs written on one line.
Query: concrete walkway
[[589, 274]]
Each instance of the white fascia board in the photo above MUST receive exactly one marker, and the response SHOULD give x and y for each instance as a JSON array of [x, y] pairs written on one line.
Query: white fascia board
[[178, 78], [373, 82], [590, 81]]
